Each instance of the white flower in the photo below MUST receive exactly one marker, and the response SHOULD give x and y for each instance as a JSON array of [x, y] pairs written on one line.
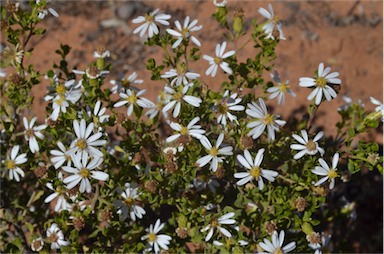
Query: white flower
[[98, 114], [31, 133], [156, 241], [279, 90], [220, 3], [276, 246], [92, 72], [84, 143], [307, 146], [263, 120], [177, 98], [12, 161], [217, 224], [56, 237], [329, 173], [149, 23], [60, 196], [132, 99], [43, 11], [83, 171], [228, 103], [213, 152], [190, 130], [69, 90], [181, 75], [60, 157], [101, 52], [129, 204], [214, 62], [184, 32], [321, 82], [59, 105], [379, 108], [255, 171], [125, 83], [272, 23], [324, 246], [37, 244]]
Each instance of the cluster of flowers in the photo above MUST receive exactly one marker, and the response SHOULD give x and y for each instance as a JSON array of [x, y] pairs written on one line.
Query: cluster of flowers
[[79, 157]]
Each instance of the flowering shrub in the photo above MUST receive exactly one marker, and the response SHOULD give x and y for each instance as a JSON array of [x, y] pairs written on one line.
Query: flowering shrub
[[195, 171]]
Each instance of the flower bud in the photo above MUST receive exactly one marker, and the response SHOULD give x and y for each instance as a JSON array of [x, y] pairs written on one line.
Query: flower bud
[[238, 23]]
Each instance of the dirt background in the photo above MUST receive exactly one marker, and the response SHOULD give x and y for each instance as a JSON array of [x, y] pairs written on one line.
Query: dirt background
[[345, 35]]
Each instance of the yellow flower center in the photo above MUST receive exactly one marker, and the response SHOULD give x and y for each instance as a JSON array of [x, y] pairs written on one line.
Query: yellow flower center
[[275, 20], [81, 144], [332, 173], [129, 201], [268, 119], [277, 251], [30, 133], [60, 89], [255, 172], [184, 131], [149, 18], [10, 164], [321, 82], [283, 87], [214, 151], [214, 223], [223, 109], [152, 237], [178, 96], [84, 172], [132, 99], [217, 60], [59, 101], [181, 69], [311, 146], [125, 83], [185, 32]]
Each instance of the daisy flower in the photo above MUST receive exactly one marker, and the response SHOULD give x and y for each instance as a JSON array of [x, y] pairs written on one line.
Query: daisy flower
[[229, 103], [43, 11], [132, 99], [37, 244], [216, 61], [307, 146], [68, 90], [255, 171], [83, 171], [276, 246], [279, 90], [12, 161], [328, 173], [84, 143], [60, 196], [177, 97], [216, 223], [56, 237], [149, 23], [129, 204], [214, 152], [60, 157], [125, 83], [321, 82], [92, 72], [156, 241], [31, 133], [184, 32], [263, 120], [379, 108], [272, 24], [190, 130], [180, 75]]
